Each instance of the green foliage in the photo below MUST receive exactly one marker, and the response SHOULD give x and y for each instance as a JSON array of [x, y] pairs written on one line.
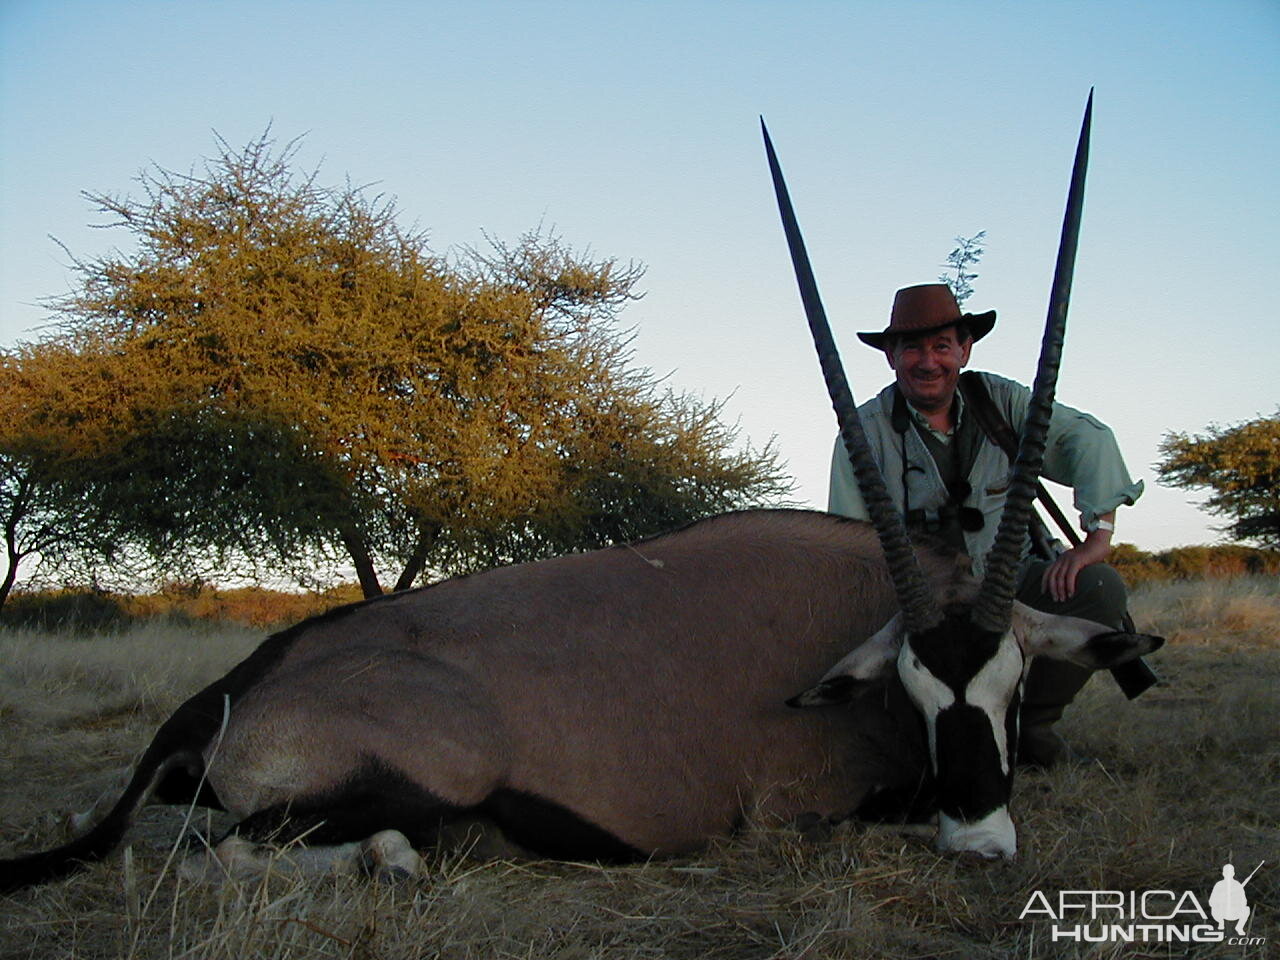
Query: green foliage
[[279, 375], [1241, 465], [962, 260]]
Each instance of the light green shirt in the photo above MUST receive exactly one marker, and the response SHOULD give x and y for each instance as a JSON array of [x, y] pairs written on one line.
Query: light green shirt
[[1081, 452]]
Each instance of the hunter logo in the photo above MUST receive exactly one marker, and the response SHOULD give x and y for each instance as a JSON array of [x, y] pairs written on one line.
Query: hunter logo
[[1228, 900], [1150, 916]]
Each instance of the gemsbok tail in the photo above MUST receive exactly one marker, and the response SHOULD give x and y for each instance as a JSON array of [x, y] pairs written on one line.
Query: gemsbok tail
[[34, 868], [176, 754], [172, 767]]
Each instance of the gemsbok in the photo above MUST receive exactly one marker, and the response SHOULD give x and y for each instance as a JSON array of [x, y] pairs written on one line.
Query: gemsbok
[[632, 701]]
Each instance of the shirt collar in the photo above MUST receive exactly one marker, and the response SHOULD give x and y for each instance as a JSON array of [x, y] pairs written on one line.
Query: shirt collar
[[923, 421]]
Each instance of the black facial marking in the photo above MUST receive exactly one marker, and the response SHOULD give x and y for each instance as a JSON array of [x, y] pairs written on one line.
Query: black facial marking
[[971, 782], [955, 650], [1011, 730]]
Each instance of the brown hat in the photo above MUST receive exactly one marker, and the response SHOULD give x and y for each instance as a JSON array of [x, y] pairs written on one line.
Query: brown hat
[[925, 309]]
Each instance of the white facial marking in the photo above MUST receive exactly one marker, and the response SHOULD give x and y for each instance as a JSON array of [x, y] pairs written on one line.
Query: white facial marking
[[930, 695], [992, 836], [992, 688]]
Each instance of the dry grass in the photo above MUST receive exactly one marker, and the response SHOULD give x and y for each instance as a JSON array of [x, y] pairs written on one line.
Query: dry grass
[[1184, 780]]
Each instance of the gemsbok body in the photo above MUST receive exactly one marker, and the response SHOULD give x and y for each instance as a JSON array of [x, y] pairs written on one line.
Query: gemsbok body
[[612, 705]]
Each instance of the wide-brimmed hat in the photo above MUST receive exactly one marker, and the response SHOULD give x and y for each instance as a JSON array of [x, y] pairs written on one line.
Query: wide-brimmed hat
[[924, 309]]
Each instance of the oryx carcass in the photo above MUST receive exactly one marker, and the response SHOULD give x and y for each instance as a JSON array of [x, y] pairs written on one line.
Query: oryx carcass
[[630, 702], [609, 705]]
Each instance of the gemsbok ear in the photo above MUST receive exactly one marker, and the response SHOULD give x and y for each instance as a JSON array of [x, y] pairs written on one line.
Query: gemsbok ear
[[862, 669], [1082, 642]]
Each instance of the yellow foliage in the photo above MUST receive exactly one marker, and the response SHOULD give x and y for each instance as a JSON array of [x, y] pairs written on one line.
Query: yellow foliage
[[280, 367], [1240, 465]]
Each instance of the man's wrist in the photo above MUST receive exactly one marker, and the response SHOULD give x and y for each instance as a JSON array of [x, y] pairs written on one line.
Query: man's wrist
[[1096, 546], [1101, 525]]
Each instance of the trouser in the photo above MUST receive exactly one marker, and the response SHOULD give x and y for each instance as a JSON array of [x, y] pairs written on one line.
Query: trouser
[[1100, 594], [1052, 684]]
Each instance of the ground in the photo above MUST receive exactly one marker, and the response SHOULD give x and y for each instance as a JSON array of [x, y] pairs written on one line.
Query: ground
[[1180, 782]]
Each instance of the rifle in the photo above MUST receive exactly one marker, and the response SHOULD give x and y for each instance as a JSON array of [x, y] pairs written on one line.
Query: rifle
[[1133, 677]]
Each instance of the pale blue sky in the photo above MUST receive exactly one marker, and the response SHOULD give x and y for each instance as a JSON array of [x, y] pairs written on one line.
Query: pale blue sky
[[632, 129]]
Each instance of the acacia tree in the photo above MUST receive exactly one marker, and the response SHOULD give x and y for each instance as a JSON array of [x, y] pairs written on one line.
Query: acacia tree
[[290, 373], [1241, 465]]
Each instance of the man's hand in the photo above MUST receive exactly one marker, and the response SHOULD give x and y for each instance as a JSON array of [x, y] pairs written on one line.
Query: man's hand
[[1059, 581]]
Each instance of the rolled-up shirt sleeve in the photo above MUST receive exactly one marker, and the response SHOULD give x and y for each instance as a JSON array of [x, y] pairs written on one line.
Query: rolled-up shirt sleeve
[[1081, 453]]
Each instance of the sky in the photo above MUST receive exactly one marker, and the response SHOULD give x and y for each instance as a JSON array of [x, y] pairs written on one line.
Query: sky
[[632, 131]]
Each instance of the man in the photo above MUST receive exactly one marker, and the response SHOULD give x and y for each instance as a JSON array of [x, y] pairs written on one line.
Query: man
[[950, 480]]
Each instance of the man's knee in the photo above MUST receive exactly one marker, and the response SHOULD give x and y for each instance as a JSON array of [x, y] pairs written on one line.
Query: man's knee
[[1100, 595]]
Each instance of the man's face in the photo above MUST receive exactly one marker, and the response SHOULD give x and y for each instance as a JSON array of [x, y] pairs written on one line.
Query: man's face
[[928, 367]]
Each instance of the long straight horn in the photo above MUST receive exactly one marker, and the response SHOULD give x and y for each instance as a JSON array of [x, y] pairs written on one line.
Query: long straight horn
[[995, 602], [919, 610]]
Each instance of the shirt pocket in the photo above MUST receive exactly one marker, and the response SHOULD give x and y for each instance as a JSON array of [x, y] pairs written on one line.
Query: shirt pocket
[[998, 482]]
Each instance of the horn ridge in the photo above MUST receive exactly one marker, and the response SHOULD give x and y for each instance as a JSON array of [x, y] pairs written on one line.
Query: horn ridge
[[995, 600], [993, 609], [919, 610]]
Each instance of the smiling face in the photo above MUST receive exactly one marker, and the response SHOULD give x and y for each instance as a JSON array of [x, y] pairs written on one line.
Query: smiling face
[[928, 367]]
